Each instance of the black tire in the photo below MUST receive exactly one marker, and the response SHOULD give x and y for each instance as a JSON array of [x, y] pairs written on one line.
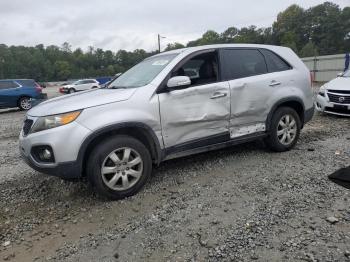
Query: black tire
[[99, 155], [71, 91], [94, 87], [273, 141], [24, 103]]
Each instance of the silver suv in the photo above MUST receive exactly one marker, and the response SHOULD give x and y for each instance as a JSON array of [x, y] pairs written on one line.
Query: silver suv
[[170, 105]]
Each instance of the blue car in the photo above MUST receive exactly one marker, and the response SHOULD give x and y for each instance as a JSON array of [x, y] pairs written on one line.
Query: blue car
[[22, 93]]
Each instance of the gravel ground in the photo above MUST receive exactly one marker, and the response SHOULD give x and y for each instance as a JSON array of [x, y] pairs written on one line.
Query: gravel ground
[[239, 204]]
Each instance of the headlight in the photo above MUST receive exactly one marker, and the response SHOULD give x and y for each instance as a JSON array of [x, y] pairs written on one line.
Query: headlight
[[48, 122], [322, 90]]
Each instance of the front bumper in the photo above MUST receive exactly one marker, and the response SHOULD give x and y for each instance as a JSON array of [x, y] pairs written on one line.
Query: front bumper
[[323, 104], [67, 170], [65, 142]]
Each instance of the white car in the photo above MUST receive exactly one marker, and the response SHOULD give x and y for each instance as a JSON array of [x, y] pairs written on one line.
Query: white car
[[334, 96], [80, 85]]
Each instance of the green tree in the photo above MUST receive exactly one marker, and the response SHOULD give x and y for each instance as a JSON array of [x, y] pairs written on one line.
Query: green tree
[[309, 50], [62, 70], [289, 39], [289, 28], [174, 46], [228, 36], [325, 27]]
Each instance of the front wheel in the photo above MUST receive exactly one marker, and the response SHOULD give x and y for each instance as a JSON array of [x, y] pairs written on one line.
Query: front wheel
[[284, 129], [119, 167], [24, 103]]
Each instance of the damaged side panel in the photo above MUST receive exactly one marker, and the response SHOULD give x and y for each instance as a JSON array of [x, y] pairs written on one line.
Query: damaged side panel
[[192, 113], [238, 131], [251, 102]]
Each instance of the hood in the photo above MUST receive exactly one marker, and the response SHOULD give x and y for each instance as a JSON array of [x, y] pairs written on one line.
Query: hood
[[81, 100], [339, 83]]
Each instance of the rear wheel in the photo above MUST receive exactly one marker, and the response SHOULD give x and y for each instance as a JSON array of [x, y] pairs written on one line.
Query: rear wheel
[[119, 167], [24, 103], [71, 90], [284, 130]]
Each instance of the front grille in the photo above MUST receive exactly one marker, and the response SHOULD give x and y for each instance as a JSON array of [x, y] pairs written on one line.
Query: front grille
[[342, 110], [27, 126], [339, 98], [339, 91]]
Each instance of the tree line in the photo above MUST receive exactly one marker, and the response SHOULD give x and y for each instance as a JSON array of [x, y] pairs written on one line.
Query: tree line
[[320, 30]]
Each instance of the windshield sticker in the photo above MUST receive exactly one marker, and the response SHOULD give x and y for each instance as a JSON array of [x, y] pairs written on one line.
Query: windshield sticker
[[160, 62]]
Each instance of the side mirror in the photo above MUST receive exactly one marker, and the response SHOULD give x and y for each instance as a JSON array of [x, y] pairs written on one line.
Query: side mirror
[[178, 82], [340, 74]]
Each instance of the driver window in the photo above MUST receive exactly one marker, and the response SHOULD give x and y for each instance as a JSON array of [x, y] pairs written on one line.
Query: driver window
[[201, 69]]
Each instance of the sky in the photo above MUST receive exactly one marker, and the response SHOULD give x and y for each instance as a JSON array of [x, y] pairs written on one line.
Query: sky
[[127, 24]]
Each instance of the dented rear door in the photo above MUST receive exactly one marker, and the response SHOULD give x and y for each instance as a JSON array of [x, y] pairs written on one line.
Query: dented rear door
[[250, 87]]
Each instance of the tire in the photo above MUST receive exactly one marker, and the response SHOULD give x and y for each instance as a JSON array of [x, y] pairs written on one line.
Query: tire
[[71, 91], [284, 132], [120, 180], [24, 103], [94, 87]]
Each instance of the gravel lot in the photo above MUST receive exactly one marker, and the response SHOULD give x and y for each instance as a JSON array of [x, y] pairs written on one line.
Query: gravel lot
[[239, 204]]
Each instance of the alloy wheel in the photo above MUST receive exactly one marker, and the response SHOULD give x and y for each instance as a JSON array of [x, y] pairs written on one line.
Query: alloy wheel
[[25, 103], [122, 169], [286, 129]]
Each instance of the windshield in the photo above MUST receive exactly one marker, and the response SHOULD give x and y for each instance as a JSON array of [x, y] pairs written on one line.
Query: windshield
[[142, 73], [346, 73]]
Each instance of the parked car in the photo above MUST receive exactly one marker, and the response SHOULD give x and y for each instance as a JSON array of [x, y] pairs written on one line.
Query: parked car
[[103, 80], [20, 93], [80, 85], [334, 96], [154, 112]]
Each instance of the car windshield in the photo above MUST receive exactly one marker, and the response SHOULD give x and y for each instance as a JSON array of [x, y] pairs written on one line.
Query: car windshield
[[346, 73], [142, 73]]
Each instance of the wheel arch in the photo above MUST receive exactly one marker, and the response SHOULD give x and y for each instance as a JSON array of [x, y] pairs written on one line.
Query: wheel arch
[[140, 131], [293, 102]]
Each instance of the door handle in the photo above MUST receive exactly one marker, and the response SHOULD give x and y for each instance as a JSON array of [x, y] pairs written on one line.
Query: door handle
[[274, 83], [218, 95]]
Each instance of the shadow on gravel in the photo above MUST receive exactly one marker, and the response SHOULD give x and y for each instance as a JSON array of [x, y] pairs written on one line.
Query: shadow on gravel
[[201, 159], [341, 177]]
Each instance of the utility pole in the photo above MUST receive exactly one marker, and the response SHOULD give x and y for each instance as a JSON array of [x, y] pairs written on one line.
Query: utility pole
[[159, 37], [2, 62], [159, 43]]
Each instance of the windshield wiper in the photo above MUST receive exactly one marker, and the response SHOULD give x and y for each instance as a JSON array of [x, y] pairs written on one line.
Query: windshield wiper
[[118, 87]]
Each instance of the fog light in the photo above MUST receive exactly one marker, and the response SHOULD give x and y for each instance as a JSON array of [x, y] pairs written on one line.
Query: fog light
[[43, 154]]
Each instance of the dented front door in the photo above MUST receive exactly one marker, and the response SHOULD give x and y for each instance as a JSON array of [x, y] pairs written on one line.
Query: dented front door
[[194, 113]]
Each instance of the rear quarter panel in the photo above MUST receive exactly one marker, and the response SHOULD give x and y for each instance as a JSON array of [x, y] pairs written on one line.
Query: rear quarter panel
[[297, 81]]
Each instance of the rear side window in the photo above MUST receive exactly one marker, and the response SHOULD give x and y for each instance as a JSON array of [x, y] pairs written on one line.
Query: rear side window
[[274, 62], [240, 63], [87, 81], [26, 82], [7, 84]]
